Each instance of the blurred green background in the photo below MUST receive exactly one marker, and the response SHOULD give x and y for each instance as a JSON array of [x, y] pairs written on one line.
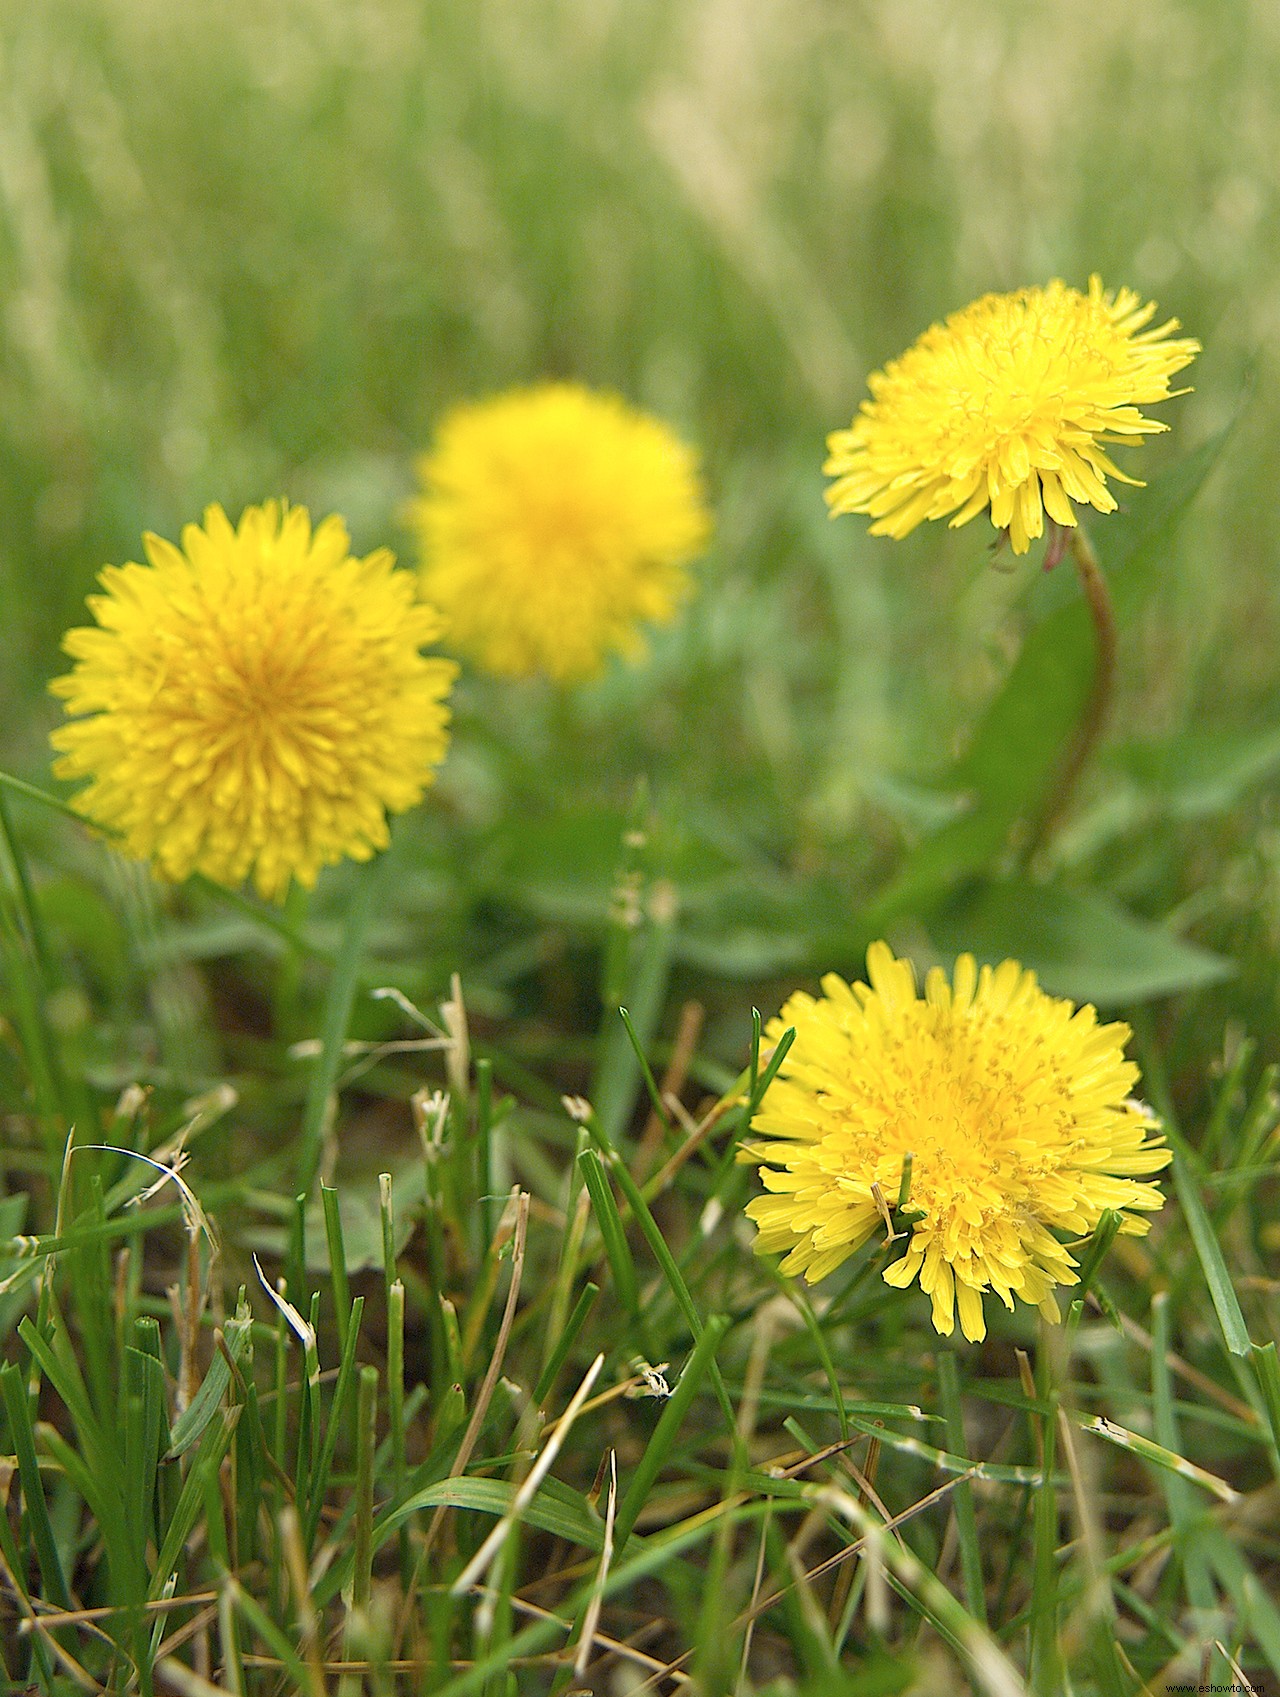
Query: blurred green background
[[253, 249]]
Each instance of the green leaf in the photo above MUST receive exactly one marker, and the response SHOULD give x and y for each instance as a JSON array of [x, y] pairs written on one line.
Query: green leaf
[[22, 1440], [1080, 945], [1203, 773], [744, 951], [205, 1403], [555, 1508], [1133, 542], [359, 1217], [203, 1469], [1016, 750], [613, 1234], [1153, 1452]]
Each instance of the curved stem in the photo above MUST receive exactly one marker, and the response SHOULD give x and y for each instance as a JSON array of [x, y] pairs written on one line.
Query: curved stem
[[1098, 706], [19, 786]]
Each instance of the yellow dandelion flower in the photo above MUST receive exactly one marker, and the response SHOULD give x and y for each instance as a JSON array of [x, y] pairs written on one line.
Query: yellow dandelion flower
[[555, 523], [1011, 405], [1014, 1107], [254, 703]]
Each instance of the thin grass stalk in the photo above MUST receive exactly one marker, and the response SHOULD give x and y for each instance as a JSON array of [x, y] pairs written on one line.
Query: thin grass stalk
[[395, 1408], [362, 1532], [653, 1235], [962, 1499], [482, 1109], [481, 1405], [1045, 1658], [337, 1261], [339, 1001]]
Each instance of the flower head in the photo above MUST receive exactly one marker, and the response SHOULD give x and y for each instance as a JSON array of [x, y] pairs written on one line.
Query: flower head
[[1012, 1107], [254, 703], [554, 523], [1009, 405]]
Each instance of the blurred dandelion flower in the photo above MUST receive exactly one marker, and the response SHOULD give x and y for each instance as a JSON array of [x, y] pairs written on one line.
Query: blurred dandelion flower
[[554, 523], [254, 703], [1010, 405], [1013, 1107]]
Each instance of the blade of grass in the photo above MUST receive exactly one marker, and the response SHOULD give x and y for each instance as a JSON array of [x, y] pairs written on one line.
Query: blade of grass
[[261, 1623], [646, 1071], [577, 1209], [614, 1238], [1044, 1651], [1182, 1508], [482, 1108], [1226, 1101], [208, 1460], [800, 1301], [1268, 1370], [22, 1438], [1259, 1118], [962, 1498], [319, 1483], [34, 1036], [618, 1069], [337, 1260], [339, 1001], [664, 1433], [565, 1343], [991, 1669], [19, 786], [1257, 1609], [1221, 1289], [529, 1487], [1158, 1454], [662, 1254], [204, 1405], [366, 1445]]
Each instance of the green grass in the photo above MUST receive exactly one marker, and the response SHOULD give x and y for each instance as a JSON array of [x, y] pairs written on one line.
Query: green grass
[[255, 251]]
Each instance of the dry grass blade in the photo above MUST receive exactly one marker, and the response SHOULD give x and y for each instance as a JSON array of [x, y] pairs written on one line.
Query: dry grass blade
[[528, 1490], [757, 1581], [185, 1681], [1192, 1375], [624, 1650], [308, 1625], [78, 1617], [592, 1618], [757, 1608], [1099, 1596], [196, 1628], [494, 1368], [990, 1667], [689, 1030], [33, 1623], [698, 1134]]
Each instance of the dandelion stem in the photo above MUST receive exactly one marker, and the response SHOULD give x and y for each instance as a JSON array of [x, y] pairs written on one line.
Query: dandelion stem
[[1098, 705]]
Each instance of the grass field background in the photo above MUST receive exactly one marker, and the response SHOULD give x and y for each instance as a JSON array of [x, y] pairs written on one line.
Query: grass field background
[[253, 250]]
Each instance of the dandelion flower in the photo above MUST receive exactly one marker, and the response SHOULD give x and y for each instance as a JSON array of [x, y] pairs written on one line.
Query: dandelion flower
[[255, 703], [554, 524], [1011, 404], [1013, 1107]]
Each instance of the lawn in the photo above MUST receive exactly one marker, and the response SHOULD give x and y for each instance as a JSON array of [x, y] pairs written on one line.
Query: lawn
[[380, 1308]]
